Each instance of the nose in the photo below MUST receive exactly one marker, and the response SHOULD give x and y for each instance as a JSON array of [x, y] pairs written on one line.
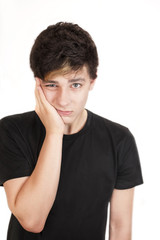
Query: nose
[[63, 98]]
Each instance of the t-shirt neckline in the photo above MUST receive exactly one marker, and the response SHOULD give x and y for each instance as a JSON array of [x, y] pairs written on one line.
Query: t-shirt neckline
[[82, 131]]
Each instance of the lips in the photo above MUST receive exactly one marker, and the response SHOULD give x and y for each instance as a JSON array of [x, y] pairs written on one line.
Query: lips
[[65, 113]]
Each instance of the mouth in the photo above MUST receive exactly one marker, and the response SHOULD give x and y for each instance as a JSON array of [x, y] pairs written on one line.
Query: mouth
[[64, 113]]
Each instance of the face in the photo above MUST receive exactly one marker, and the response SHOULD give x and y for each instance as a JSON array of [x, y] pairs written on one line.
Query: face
[[68, 93]]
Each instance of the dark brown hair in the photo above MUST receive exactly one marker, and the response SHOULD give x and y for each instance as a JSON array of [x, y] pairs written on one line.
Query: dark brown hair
[[60, 45]]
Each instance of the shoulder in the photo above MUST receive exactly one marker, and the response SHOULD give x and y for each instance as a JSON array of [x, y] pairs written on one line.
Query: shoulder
[[18, 117], [19, 121], [116, 131]]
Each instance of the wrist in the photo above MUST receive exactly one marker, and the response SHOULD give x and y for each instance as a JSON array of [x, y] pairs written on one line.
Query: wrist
[[53, 134]]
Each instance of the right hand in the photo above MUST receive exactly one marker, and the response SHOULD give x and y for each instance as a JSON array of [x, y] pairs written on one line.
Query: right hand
[[50, 118]]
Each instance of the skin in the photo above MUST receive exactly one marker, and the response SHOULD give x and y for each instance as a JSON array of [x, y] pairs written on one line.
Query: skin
[[64, 95], [121, 208], [24, 195]]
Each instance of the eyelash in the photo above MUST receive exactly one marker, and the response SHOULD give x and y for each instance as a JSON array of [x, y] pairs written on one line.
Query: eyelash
[[54, 85], [80, 85]]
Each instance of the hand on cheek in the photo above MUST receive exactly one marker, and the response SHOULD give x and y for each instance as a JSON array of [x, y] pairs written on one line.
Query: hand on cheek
[[46, 112]]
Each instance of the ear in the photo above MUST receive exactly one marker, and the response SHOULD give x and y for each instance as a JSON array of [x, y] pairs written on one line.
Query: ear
[[92, 83]]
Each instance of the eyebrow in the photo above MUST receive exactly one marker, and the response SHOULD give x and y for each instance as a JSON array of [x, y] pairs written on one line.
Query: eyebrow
[[70, 81]]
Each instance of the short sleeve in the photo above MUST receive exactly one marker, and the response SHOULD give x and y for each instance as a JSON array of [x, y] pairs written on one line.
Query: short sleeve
[[129, 173], [13, 162]]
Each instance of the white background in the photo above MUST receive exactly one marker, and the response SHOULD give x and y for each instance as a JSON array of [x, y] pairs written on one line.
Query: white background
[[127, 35]]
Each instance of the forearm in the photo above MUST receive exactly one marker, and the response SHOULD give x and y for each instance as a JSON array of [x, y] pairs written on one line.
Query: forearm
[[37, 195], [120, 233], [121, 206]]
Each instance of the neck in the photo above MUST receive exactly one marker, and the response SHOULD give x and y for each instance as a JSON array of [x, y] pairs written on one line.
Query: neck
[[77, 124]]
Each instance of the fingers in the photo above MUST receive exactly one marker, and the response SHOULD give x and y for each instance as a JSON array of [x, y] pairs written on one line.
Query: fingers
[[40, 95], [39, 106], [42, 105], [37, 95]]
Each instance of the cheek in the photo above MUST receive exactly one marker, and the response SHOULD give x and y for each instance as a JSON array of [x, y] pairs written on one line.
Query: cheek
[[50, 96], [82, 98]]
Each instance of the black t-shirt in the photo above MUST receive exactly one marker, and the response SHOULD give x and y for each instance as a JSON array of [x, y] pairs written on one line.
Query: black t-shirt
[[100, 157]]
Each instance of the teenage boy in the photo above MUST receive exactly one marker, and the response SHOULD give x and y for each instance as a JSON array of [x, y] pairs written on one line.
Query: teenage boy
[[61, 165]]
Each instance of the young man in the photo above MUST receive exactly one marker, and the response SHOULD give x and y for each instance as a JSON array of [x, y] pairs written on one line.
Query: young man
[[61, 165]]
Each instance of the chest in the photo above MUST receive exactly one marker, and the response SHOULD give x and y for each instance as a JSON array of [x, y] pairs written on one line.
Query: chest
[[88, 173]]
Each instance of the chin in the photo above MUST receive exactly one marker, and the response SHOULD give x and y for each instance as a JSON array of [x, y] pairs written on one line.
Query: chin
[[66, 120]]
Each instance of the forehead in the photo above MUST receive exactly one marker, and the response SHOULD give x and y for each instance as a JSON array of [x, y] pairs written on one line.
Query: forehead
[[81, 74]]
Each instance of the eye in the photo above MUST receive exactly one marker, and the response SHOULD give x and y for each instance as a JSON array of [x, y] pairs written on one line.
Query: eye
[[52, 85], [76, 85]]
